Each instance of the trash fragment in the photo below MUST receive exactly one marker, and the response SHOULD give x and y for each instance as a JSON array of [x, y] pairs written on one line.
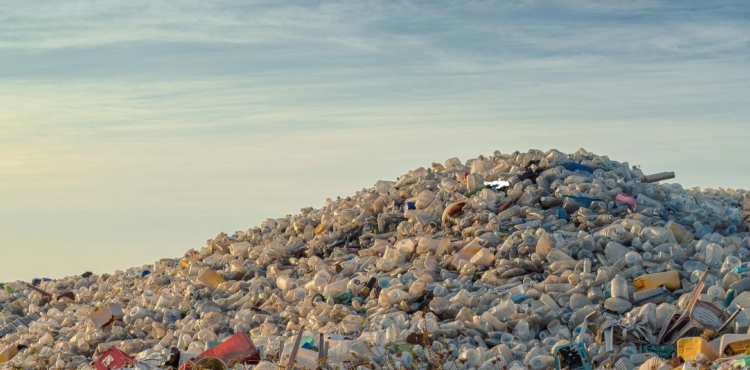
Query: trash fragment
[[210, 363], [572, 166], [497, 184], [658, 177], [106, 315], [627, 199], [574, 355]]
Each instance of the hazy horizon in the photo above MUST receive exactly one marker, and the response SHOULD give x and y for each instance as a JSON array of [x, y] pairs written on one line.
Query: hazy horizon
[[134, 130]]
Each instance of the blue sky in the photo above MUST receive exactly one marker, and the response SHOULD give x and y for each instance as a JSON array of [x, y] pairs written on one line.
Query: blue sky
[[135, 130]]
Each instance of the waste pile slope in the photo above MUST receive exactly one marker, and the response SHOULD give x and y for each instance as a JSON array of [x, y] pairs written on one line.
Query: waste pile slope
[[514, 261]]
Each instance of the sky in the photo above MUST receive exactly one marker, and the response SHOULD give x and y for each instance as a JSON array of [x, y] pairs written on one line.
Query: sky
[[134, 130]]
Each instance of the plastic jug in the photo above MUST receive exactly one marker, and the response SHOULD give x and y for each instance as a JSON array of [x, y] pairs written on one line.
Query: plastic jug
[[8, 353], [668, 279], [466, 253], [690, 348], [210, 279]]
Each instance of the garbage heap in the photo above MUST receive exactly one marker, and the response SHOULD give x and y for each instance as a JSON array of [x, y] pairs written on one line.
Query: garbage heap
[[510, 261]]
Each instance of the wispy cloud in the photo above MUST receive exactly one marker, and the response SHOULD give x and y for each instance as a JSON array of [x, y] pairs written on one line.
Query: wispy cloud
[[197, 116]]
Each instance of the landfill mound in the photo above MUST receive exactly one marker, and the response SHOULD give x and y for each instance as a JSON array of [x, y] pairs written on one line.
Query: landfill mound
[[511, 261]]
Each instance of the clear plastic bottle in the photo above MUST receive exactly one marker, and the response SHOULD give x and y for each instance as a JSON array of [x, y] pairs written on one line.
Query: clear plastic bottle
[[714, 255], [715, 292], [507, 339], [649, 295], [632, 258], [693, 265], [615, 251], [542, 362], [678, 253], [730, 263], [523, 330], [619, 288]]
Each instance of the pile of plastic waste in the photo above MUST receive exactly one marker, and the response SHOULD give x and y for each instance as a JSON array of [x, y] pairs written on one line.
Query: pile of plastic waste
[[511, 261]]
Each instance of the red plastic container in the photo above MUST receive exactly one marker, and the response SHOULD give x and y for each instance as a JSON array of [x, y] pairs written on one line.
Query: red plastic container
[[237, 349], [113, 359]]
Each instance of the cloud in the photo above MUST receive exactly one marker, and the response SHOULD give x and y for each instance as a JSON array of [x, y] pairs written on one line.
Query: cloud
[[120, 119]]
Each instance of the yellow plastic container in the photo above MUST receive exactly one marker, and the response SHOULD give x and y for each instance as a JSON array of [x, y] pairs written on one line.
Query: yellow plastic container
[[734, 344], [466, 253], [681, 234], [669, 279], [210, 279], [185, 262], [8, 353], [690, 348]]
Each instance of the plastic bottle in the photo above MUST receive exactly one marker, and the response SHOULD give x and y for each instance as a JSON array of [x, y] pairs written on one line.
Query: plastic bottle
[[693, 265], [649, 295], [619, 288], [578, 301], [741, 286], [522, 330], [632, 258], [335, 288], [634, 271], [507, 338], [615, 251], [730, 262], [678, 253], [286, 282], [542, 362], [714, 255], [716, 292]]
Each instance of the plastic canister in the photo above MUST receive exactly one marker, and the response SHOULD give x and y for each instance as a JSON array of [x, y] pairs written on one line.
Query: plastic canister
[[210, 279], [286, 282], [690, 348], [483, 258], [466, 253], [668, 279], [356, 284], [335, 288], [8, 353]]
